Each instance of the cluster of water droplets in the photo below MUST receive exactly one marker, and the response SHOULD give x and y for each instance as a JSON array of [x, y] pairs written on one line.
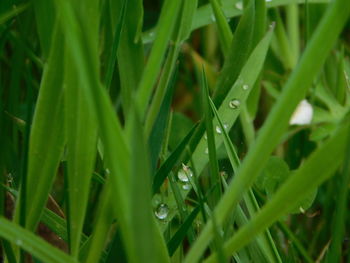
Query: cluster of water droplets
[[184, 175]]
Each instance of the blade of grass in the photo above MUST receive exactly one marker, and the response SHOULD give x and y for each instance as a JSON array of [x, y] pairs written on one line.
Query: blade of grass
[[116, 152], [44, 155], [81, 150], [265, 242], [225, 33], [143, 225], [213, 163], [318, 168], [180, 234], [277, 122], [203, 15], [171, 161], [32, 244], [237, 92], [155, 140], [339, 221], [113, 55], [130, 50], [181, 32], [165, 28], [15, 11]]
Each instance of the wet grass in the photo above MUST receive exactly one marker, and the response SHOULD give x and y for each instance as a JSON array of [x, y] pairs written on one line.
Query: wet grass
[[161, 130]]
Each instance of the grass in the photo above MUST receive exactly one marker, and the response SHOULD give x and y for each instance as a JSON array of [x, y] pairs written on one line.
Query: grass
[[160, 130]]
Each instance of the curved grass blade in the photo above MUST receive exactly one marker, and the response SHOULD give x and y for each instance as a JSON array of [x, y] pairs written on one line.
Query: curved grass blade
[[113, 56], [32, 244], [155, 139], [229, 115], [81, 151], [203, 15], [165, 28], [339, 222], [316, 169], [44, 155], [116, 151], [130, 50], [277, 122], [143, 224], [225, 33], [180, 234], [211, 147], [181, 32], [172, 161], [239, 51], [15, 11], [264, 242]]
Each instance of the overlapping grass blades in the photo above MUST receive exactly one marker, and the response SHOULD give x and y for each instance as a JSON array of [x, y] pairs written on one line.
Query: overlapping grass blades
[[277, 121]]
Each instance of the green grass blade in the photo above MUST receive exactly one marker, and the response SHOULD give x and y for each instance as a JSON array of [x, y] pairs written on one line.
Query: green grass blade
[[44, 155], [165, 28], [211, 148], [239, 51], [277, 122], [180, 34], [155, 140], [171, 161], [45, 15], [239, 91], [18, 9], [115, 45], [339, 221], [143, 224], [203, 15], [130, 50], [225, 33], [81, 151], [313, 172], [91, 251], [264, 242], [32, 244], [116, 151], [180, 234]]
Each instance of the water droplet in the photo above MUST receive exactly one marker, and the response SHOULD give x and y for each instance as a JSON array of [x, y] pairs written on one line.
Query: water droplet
[[268, 0], [206, 151], [186, 187], [239, 5], [218, 130], [301, 210], [245, 87], [184, 174], [213, 18], [225, 126], [19, 242], [234, 104], [162, 211]]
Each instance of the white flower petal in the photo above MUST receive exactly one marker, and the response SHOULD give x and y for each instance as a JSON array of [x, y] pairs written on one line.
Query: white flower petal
[[303, 114]]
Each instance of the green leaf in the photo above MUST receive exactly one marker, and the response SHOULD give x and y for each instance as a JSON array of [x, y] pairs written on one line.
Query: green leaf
[[275, 125], [32, 244], [165, 28], [44, 155], [143, 225], [317, 168], [273, 175]]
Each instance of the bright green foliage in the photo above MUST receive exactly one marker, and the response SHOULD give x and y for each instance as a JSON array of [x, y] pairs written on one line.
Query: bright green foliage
[[160, 131]]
